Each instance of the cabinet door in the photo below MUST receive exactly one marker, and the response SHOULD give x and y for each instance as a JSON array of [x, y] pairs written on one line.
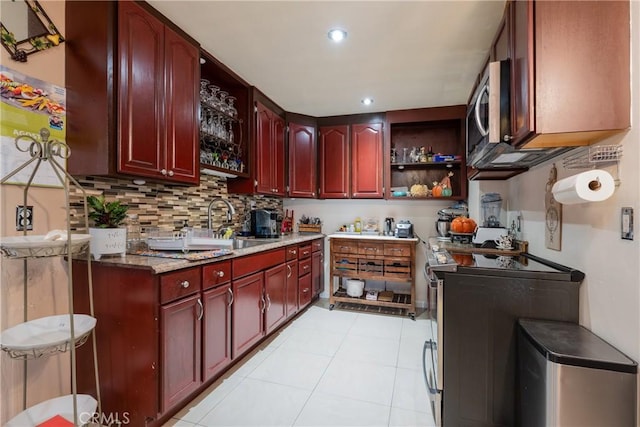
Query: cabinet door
[[182, 61], [292, 288], [247, 312], [302, 161], [334, 162], [216, 331], [278, 156], [263, 149], [366, 161], [317, 273], [141, 150], [522, 86], [275, 285], [180, 342]]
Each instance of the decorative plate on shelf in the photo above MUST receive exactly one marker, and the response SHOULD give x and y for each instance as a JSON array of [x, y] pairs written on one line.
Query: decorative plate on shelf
[[46, 335], [38, 246]]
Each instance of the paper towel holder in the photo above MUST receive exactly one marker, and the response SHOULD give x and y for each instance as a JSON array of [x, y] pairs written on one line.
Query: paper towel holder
[[595, 156]]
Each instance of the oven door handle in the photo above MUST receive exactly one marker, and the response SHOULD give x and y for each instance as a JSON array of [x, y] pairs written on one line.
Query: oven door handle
[[428, 345]]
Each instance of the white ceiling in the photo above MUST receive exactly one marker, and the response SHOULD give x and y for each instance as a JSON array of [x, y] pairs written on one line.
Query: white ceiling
[[404, 54]]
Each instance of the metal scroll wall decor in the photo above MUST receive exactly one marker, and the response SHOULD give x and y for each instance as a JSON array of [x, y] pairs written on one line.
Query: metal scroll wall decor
[[26, 29], [553, 214]]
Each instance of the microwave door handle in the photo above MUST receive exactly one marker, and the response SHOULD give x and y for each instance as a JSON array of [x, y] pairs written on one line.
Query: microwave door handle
[[483, 131]]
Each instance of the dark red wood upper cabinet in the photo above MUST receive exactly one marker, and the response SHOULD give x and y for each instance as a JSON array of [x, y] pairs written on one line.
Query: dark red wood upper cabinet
[[334, 162], [270, 154], [144, 120], [140, 93], [302, 161], [182, 71], [366, 161], [180, 352]]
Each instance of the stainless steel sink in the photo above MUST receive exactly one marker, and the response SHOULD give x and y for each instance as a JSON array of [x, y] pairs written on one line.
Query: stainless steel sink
[[249, 243]]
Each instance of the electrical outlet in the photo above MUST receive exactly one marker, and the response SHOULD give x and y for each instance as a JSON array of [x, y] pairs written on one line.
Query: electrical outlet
[[24, 218], [626, 225]]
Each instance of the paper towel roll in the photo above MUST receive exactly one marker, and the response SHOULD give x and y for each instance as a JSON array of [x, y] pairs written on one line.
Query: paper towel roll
[[591, 186]]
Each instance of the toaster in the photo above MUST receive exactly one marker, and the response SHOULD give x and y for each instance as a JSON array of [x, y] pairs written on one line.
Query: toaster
[[404, 229]]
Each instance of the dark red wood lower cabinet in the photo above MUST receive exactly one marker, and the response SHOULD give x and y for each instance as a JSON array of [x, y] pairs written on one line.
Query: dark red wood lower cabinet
[[317, 273], [247, 312], [180, 351], [216, 331], [292, 288], [275, 282]]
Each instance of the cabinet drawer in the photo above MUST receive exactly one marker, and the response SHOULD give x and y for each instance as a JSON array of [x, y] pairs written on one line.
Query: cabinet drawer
[[179, 284], [370, 248], [258, 262], [344, 247], [216, 274], [304, 291], [397, 249], [291, 252], [317, 245], [304, 267], [370, 267], [305, 251]]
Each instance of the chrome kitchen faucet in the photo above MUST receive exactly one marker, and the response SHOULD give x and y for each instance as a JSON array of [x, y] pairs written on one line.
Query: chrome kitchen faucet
[[230, 212]]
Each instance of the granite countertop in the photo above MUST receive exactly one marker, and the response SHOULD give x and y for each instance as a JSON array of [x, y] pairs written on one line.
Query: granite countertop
[[164, 265]]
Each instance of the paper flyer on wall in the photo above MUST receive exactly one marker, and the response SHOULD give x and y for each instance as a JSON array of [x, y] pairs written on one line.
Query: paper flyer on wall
[[27, 105]]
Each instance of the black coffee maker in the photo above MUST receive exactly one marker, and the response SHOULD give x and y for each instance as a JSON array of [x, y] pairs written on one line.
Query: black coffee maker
[[264, 223]]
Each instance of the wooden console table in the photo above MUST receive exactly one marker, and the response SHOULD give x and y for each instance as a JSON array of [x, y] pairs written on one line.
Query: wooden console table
[[380, 258]]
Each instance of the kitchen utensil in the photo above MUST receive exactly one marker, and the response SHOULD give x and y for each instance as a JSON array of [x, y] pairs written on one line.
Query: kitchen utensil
[[491, 206]]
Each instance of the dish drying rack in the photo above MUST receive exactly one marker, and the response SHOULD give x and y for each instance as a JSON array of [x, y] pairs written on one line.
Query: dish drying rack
[[185, 240]]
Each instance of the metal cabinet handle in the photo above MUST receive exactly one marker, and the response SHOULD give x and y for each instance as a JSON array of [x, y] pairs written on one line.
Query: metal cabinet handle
[[507, 138], [305, 253], [163, 172], [306, 267], [293, 251], [201, 309], [483, 131], [289, 271], [264, 305], [230, 291], [268, 302], [218, 273], [170, 173], [305, 290], [184, 284]]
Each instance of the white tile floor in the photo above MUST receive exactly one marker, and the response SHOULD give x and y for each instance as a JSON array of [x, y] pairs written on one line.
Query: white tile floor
[[326, 368]]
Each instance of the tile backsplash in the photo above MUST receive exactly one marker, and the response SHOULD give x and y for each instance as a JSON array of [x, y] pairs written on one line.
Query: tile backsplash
[[167, 206]]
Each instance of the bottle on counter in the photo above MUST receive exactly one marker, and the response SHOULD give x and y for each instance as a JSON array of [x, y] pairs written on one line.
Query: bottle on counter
[[358, 225], [134, 233]]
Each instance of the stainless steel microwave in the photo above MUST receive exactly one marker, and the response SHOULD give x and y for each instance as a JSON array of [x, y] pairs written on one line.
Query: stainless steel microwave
[[489, 112]]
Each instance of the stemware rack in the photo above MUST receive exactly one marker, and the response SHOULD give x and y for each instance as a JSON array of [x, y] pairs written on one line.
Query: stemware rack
[[50, 335], [221, 134]]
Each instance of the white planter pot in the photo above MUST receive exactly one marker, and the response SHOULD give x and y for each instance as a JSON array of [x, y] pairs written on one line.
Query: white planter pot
[[108, 241]]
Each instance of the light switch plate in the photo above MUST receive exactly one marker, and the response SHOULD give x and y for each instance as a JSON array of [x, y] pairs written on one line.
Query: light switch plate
[[626, 225]]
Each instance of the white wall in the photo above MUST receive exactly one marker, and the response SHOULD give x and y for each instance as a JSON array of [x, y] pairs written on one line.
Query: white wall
[[334, 213]]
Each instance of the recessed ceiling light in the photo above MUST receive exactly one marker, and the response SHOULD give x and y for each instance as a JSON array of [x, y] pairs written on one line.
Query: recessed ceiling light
[[337, 35], [367, 101]]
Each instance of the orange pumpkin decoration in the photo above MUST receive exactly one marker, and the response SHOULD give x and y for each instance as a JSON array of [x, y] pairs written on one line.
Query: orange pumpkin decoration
[[436, 191], [462, 224]]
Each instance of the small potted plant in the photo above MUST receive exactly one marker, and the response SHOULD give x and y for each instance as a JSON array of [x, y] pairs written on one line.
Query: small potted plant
[[108, 236]]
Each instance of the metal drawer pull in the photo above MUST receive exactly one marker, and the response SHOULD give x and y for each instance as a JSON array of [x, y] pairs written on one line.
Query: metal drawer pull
[[305, 290], [230, 297], [293, 252], [218, 273], [201, 309], [184, 284], [305, 267], [305, 253]]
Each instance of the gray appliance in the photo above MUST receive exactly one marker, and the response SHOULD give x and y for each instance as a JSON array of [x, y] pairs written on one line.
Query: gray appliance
[[569, 376], [264, 223], [404, 229]]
